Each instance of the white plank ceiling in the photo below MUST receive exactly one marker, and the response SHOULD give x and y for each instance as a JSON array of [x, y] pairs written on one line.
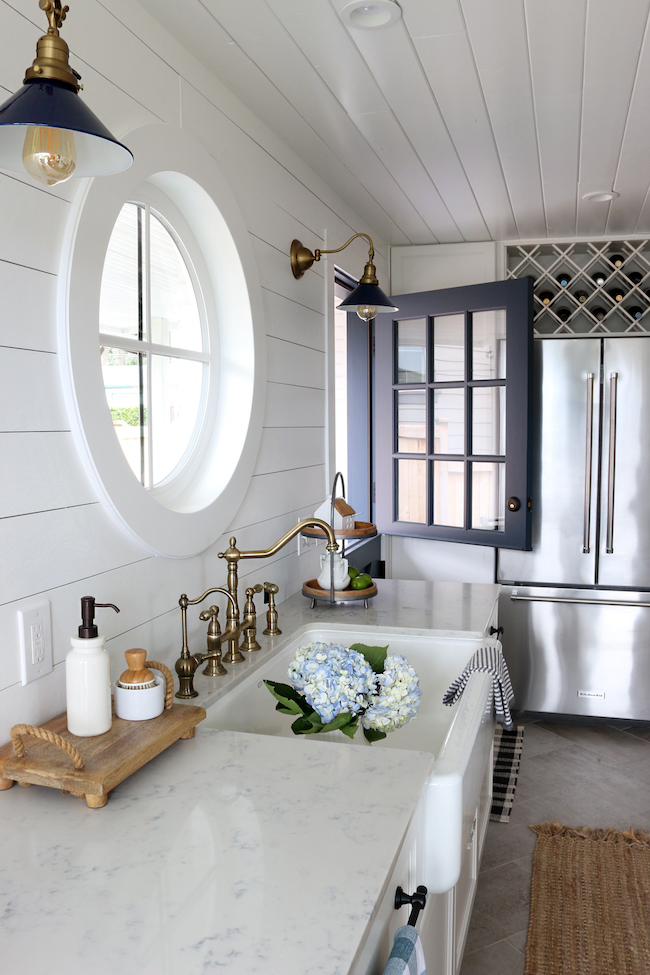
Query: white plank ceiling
[[467, 120]]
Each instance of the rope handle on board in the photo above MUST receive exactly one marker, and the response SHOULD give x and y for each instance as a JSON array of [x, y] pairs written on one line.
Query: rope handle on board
[[169, 681], [44, 735]]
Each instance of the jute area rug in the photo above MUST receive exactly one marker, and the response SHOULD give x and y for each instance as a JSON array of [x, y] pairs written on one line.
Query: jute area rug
[[590, 902]]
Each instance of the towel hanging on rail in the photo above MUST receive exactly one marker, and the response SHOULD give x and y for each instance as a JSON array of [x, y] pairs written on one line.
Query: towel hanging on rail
[[487, 660], [407, 957]]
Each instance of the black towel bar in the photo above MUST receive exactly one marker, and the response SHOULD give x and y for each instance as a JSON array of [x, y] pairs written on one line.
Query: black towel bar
[[418, 900]]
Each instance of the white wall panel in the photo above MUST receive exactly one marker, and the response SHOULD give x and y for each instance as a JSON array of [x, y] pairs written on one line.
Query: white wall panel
[[48, 549], [285, 448], [556, 42], [30, 392], [27, 319], [295, 365], [41, 471], [450, 68], [612, 51], [441, 266], [500, 46], [422, 558], [286, 319], [402, 79], [274, 494], [33, 223], [293, 406]]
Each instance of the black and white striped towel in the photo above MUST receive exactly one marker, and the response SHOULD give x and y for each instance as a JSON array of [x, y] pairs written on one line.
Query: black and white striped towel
[[487, 660]]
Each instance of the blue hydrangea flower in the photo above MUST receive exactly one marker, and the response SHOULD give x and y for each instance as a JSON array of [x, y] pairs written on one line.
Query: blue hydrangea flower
[[333, 679]]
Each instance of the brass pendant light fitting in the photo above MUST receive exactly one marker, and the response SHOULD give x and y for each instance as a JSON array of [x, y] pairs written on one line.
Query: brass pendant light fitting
[[45, 128], [368, 297]]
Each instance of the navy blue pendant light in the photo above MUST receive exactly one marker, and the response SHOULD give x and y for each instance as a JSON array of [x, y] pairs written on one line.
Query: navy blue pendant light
[[46, 128]]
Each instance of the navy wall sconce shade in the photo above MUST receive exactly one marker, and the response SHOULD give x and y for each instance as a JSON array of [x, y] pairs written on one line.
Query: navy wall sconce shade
[[45, 128], [367, 298]]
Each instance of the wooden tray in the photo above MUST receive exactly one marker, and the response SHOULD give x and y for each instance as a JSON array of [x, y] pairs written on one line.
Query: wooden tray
[[362, 529], [313, 590], [108, 759]]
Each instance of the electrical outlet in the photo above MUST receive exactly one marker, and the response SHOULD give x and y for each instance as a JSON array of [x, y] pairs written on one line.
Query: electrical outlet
[[305, 543], [35, 635]]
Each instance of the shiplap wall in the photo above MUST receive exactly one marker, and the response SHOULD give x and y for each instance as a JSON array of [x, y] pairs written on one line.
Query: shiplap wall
[[57, 540]]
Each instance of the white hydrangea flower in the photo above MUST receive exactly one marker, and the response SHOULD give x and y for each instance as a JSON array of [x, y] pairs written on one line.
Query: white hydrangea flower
[[396, 697]]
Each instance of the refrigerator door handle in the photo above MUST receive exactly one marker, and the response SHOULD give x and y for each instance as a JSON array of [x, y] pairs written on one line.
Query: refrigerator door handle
[[588, 463], [611, 471], [516, 598]]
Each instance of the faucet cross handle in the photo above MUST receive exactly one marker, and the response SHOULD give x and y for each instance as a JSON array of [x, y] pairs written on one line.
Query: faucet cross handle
[[250, 632], [270, 592], [214, 666]]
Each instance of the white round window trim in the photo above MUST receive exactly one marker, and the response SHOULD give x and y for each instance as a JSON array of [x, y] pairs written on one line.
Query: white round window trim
[[203, 506]]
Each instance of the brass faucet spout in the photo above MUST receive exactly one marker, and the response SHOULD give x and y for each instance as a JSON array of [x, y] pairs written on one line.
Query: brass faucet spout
[[332, 544]]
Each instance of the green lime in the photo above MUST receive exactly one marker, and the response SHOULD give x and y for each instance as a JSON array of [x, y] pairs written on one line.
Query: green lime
[[362, 581], [352, 572]]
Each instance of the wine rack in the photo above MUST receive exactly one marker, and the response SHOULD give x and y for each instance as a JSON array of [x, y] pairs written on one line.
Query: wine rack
[[585, 287]]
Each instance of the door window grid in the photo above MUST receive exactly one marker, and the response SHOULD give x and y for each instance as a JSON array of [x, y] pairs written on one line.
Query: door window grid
[[445, 490]]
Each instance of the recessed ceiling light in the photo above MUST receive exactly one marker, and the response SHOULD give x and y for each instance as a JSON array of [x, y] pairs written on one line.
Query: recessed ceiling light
[[601, 196], [370, 14]]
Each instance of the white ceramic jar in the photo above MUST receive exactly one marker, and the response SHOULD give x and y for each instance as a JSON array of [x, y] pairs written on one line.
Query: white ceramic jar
[[341, 577]]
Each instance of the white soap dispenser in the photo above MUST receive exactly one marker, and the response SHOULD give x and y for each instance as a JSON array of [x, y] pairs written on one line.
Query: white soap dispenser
[[88, 677]]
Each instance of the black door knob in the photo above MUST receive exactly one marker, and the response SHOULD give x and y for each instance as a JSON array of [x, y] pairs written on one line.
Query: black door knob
[[514, 504]]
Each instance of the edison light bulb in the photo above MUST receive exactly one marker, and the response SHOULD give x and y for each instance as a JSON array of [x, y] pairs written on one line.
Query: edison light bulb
[[49, 155], [366, 312]]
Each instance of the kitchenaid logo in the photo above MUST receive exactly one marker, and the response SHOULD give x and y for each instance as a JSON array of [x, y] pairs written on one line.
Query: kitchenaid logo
[[600, 694]]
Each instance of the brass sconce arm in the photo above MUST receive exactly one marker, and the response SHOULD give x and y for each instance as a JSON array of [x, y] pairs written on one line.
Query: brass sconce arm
[[302, 258]]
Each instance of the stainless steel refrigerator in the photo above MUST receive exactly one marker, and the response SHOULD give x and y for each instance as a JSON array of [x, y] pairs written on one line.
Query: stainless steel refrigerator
[[576, 610]]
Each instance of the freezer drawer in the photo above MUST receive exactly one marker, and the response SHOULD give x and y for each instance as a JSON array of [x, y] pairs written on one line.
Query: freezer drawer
[[578, 651]]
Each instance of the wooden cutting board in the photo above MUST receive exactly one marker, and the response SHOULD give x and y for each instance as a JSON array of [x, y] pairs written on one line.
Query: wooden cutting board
[[108, 759]]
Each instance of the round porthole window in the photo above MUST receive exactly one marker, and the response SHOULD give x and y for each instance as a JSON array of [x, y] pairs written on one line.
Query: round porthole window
[[167, 384]]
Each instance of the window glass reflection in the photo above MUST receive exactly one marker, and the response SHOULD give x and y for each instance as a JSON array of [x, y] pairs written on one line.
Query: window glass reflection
[[412, 351], [489, 344], [448, 348], [412, 491], [489, 496], [449, 493], [489, 420], [411, 421], [449, 421]]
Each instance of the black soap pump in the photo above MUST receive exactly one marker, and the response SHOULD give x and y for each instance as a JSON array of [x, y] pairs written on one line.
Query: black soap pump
[[88, 676]]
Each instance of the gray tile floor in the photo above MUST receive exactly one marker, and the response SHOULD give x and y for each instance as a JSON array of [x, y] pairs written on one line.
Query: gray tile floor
[[582, 774]]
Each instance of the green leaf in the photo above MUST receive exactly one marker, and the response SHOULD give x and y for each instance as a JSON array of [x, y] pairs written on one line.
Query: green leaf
[[372, 735], [345, 722], [303, 726], [291, 702], [376, 656]]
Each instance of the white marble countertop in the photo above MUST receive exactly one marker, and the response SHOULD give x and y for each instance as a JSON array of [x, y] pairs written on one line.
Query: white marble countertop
[[232, 852]]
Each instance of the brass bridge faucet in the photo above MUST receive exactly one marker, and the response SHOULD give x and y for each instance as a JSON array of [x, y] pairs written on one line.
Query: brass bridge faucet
[[186, 664]]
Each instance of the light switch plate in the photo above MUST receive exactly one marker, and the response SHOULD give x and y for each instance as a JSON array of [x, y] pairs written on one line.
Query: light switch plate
[[35, 635]]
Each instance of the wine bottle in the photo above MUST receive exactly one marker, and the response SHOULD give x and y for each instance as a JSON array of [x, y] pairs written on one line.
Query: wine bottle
[[617, 260], [616, 294], [635, 277], [563, 314], [599, 278], [546, 297], [598, 313], [581, 296], [635, 311], [563, 279]]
